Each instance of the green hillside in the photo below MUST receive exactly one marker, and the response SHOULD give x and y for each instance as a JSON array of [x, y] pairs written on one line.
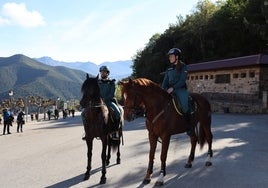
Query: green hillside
[[26, 76]]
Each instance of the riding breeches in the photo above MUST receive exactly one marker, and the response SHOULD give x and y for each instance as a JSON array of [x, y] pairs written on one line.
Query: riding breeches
[[182, 97], [115, 109]]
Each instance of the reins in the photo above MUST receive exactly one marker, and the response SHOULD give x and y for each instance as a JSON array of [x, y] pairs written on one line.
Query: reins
[[175, 106], [98, 105]]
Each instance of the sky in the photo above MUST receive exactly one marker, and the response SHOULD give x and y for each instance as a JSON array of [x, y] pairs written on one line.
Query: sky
[[85, 30]]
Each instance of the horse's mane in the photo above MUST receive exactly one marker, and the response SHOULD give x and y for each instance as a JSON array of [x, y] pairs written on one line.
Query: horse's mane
[[91, 83], [144, 82]]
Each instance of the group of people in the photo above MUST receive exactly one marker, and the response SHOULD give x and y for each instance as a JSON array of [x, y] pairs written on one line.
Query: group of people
[[174, 83], [8, 119], [56, 115]]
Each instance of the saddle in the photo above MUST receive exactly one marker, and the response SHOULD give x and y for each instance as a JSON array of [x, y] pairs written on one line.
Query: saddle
[[191, 103]]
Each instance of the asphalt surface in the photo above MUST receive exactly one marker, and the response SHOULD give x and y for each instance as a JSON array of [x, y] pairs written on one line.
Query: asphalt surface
[[52, 154]]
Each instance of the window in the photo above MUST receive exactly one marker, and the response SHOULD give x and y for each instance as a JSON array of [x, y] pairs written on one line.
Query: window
[[235, 75], [211, 77], [243, 75], [251, 74], [222, 78], [206, 77]]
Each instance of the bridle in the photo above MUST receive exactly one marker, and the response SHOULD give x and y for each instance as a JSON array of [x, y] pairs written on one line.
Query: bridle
[[135, 106]]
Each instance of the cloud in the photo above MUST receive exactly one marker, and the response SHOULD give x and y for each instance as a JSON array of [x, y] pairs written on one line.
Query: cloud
[[17, 14]]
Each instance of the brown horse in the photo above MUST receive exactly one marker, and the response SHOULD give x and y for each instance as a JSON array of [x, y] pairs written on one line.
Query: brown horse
[[163, 120], [98, 123]]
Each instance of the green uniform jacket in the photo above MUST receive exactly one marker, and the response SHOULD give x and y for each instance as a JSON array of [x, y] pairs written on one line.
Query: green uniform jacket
[[107, 90], [177, 80]]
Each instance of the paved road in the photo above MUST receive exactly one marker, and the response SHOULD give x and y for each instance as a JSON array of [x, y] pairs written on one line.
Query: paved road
[[52, 154]]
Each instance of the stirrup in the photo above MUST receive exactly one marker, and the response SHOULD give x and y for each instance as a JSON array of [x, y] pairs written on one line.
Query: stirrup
[[115, 135], [190, 132]]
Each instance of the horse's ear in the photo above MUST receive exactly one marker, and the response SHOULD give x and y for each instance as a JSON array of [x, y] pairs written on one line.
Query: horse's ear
[[121, 82], [97, 77], [87, 76]]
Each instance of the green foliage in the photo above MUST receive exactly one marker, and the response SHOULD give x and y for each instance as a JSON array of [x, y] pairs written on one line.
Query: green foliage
[[226, 29]]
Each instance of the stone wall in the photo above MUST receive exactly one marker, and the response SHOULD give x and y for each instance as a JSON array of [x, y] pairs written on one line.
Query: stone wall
[[236, 90], [244, 80]]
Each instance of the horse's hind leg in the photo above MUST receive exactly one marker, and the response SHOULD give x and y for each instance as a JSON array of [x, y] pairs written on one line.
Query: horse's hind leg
[[118, 154], [108, 157], [193, 140], [210, 152], [118, 160], [205, 133]]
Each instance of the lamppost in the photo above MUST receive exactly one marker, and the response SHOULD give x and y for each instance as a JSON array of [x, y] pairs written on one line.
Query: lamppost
[[58, 103], [11, 93]]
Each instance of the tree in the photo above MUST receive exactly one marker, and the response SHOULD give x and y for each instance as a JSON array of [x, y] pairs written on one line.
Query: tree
[[226, 29]]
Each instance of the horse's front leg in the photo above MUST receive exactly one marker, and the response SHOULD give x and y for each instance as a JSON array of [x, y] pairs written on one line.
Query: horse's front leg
[[89, 157], [163, 157], [193, 140], [153, 143], [103, 158], [108, 157]]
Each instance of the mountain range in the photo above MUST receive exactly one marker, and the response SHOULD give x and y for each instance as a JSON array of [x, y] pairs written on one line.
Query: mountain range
[[51, 79], [118, 69]]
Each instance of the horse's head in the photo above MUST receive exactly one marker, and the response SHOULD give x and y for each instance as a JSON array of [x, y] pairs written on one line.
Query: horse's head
[[132, 100], [90, 90]]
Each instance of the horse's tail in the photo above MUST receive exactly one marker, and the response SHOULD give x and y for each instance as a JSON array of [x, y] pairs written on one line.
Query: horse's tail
[[204, 113], [203, 131], [115, 143]]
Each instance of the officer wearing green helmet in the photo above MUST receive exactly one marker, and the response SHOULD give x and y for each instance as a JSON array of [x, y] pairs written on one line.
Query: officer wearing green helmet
[[107, 90], [175, 82]]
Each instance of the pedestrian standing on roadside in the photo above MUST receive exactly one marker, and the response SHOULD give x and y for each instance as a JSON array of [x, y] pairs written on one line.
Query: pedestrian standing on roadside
[[7, 121], [20, 121]]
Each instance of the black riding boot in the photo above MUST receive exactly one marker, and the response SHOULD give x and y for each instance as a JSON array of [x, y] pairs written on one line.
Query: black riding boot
[[189, 129]]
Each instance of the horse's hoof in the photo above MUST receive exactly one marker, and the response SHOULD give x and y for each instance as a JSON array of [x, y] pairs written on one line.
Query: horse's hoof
[[86, 177], [159, 183], [146, 181], [103, 181], [208, 163], [188, 165], [107, 163]]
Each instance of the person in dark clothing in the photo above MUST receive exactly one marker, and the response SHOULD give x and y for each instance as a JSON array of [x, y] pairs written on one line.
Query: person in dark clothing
[[20, 121], [49, 114], [7, 121], [175, 83], [107, 90]]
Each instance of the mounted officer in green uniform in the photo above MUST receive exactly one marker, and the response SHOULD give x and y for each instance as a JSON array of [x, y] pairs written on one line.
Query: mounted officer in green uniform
[[175, 83], [107, 91]]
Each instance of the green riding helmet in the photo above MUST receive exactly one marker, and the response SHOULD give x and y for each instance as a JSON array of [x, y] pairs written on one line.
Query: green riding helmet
[[105, 68], [175, 51]]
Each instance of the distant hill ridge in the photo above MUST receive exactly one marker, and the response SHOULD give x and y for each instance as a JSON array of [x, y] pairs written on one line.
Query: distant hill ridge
[[118, 69], [50, 78], [27, 76]]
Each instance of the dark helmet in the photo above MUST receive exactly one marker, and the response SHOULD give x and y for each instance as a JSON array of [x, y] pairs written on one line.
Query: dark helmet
[[104, 68], [175, 51]]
